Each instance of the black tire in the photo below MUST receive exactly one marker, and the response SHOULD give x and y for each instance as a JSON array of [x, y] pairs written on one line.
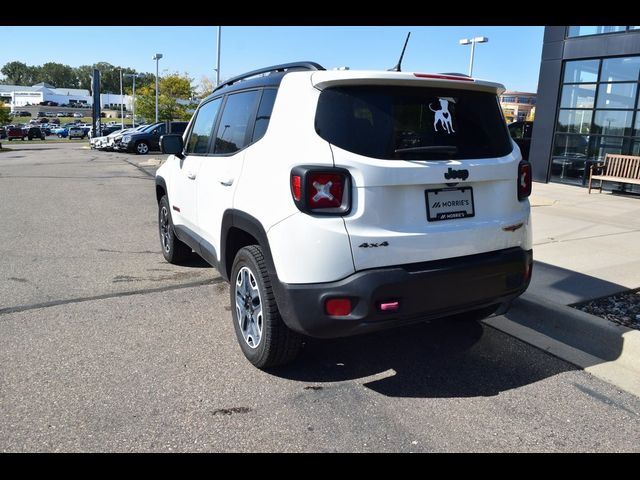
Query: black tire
[[142, 148], [173, 250], [10, 139], [277, 344]]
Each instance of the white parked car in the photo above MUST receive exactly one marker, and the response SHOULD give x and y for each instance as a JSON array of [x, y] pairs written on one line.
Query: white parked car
[[76, 132], [77, 115], [343, 202]]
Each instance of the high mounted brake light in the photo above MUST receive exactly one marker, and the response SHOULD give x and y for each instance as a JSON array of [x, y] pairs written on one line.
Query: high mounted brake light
[[443, 77], [323, 191]]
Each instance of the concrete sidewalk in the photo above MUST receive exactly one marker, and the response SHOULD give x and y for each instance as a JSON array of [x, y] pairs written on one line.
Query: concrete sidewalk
[[585, 247]]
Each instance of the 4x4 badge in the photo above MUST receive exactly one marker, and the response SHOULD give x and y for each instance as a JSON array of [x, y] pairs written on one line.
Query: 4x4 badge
[[463, 174], [373, 245]]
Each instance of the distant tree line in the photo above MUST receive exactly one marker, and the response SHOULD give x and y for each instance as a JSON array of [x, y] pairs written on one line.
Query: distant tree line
[[64, 76]]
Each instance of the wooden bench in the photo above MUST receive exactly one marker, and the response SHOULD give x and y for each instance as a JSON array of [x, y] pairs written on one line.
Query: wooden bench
[[616, 168]]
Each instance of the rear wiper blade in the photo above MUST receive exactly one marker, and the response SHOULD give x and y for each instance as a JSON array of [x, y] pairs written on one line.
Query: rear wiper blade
[[450, 149]]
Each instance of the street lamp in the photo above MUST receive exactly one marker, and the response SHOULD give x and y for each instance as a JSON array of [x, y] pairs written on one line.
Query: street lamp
[[121, 103], [218, 58], [157, 58], [473, 41], [134, 76]]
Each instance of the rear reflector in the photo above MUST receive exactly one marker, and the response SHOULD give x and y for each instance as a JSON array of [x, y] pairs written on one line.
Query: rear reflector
[[389, 306], [296, 187], [443, 77], [338, 307]]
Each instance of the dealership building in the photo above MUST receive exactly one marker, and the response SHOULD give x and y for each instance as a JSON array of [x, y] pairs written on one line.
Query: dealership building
[[587, 103], [17, 96]]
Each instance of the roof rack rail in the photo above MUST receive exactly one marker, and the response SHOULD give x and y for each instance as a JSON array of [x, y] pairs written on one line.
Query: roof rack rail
[[274, 68]]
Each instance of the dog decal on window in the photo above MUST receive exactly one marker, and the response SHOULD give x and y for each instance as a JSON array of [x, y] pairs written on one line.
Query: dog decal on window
[[442, 116]]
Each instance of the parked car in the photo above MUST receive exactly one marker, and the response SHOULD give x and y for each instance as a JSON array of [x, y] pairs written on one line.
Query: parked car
[[297, 186], [55, 121], [3, 133], [114, 140], [61, 132], [521, 133], [76, 132], [14, 133], [148, 139], [63, 114], [77, 115], [35, 132]]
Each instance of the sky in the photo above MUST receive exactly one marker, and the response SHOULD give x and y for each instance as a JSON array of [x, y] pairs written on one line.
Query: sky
[[511, 57]]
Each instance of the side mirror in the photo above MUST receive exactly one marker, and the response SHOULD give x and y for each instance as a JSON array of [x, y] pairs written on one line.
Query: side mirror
[[172, 145]]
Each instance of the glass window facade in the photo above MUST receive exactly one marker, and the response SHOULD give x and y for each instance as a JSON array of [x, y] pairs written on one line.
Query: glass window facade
[[595, 30], [598, 114]]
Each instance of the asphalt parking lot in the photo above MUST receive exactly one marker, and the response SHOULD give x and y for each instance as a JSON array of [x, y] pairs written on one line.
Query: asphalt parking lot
[[106, 347]]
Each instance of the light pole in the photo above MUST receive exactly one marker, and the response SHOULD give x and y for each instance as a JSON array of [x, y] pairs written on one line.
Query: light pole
[[157, 58], [133, 105], [121, 103], [473, 41], [218, 59]]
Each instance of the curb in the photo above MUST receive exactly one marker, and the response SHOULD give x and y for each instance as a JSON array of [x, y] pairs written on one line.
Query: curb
[[604, 349]]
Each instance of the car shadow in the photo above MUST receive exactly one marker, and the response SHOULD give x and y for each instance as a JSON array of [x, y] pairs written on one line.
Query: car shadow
[[195, 261], [567, 287], [436, 359]]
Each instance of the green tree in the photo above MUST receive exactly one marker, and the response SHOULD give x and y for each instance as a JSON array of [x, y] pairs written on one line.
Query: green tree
[[59, 75], [206, 87], [18, 73], [5, 118], [175, 99]]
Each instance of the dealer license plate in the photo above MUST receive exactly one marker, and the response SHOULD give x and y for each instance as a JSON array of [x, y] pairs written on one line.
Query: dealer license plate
[[449, 203]]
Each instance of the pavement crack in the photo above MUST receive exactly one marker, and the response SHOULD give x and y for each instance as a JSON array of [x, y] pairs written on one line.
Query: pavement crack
[[55, 303], [559, 240]]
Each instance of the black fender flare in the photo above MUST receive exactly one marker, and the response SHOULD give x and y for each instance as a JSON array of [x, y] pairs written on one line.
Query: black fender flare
[[233, 218], [160, 182]]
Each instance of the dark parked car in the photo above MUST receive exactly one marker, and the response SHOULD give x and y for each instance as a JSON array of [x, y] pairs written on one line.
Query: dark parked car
[[521, 134], [14, 133], [35, 132], [149, 139]]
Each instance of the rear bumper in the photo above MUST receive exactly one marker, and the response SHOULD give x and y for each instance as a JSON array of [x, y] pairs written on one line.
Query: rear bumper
[[423, 291]]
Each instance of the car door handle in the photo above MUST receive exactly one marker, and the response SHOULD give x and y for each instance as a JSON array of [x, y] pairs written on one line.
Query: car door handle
[[191, 176], [227, 183]]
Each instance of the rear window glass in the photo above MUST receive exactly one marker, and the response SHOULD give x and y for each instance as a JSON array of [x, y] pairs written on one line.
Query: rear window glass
[[413, 122]]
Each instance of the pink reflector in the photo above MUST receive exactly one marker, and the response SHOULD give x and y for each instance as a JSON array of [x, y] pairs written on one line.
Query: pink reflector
[[386, 307]]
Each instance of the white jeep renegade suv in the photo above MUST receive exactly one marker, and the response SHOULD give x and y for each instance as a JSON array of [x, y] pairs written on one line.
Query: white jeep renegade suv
[[342, 202]]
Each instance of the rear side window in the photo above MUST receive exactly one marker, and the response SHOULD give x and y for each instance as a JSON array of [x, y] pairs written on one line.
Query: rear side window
[[202, 128], [417, 123], [178, 127], [264, 113], [232, 129]]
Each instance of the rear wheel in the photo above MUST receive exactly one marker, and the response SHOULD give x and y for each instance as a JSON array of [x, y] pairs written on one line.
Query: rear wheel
[[173, 250], [142, 148], [262, 335]]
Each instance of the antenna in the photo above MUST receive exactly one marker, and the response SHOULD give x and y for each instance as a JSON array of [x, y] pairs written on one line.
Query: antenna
[[397, 67]]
